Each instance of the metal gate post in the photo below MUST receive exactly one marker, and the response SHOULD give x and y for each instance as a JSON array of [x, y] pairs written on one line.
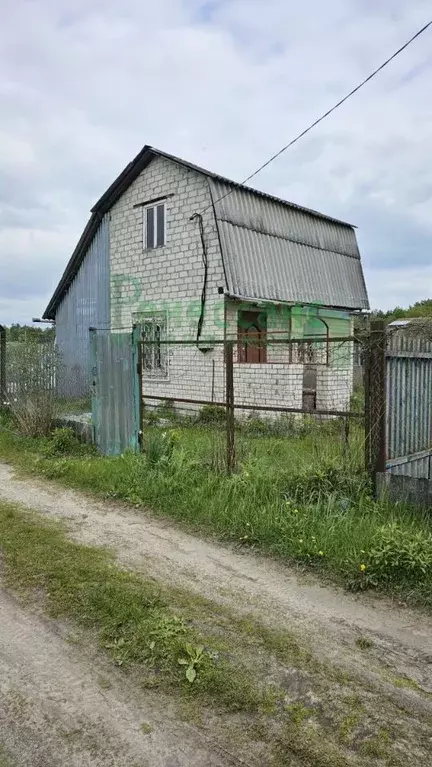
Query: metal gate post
[[229, 391], [375, 402], [138, 382]]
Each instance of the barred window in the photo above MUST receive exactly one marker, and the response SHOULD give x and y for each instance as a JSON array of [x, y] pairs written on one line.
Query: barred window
[[154, 350]]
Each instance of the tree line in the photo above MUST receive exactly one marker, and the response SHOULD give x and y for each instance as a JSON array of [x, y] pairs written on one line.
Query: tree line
[[17, 332], [418, 309]]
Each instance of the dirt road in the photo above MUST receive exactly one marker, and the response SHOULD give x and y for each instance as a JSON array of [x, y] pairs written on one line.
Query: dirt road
[[62, 706], [400, 640]]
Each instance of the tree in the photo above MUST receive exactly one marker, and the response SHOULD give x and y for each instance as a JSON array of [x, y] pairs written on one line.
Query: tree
[[17, 332], [418, 309]]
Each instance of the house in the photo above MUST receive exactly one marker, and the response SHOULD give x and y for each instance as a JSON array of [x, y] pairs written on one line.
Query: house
[[190, 255]]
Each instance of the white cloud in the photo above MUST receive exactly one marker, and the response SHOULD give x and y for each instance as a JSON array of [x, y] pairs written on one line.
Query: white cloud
[[398, 287], [223, 84]]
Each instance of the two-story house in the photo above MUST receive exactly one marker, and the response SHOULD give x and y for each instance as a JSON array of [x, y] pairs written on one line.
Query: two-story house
[[191, 255]]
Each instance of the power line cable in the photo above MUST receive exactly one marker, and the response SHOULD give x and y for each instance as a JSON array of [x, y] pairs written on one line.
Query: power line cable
[[326, 114]]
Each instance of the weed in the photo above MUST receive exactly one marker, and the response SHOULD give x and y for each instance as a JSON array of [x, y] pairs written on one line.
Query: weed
[[159, 447], [395, 555], [378, 745], [347, 726], [146, 728], [405, 682], [212, 414], [4, 760], [364, 643], [299, 712], [62, 441], [194, 657], [166, 409]]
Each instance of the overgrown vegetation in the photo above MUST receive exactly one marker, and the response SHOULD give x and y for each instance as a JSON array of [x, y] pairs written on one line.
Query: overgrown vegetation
[[31, 372], [302, 496]]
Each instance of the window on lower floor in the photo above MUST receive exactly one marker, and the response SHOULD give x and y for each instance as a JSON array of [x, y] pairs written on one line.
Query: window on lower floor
[[252, 336], [154, 350]]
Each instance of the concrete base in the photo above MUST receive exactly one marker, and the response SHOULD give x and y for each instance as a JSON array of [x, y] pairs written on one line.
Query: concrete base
[[80, 424], [397, 487]]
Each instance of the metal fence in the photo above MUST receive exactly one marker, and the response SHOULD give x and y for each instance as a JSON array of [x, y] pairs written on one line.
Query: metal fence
[[409, 400], [28, 366], [271, 383]]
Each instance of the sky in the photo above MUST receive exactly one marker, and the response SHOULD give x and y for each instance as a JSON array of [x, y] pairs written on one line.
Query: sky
[[84, 84]]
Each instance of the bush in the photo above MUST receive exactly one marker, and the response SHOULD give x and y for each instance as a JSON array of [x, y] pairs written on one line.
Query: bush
[[34, 414], [285, 425], [212, 414], [63, 441], [159, 446], [397, 554], [166, 409], [31, 374]]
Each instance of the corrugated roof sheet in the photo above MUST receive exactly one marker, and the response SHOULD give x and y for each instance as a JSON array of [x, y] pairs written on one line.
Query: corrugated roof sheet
[[283, 253]]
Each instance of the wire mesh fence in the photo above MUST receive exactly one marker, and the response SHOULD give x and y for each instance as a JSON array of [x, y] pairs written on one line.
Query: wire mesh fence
[[256, 386], [34, 384], [364, 398]]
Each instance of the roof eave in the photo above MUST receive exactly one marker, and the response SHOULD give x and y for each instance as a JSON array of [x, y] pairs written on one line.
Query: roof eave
[[263, 300]]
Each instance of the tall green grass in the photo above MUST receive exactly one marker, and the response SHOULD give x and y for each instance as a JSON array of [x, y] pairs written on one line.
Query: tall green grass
[[303, 498]]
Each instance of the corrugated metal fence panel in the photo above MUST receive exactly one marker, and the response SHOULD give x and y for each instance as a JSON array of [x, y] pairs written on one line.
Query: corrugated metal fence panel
[[409, 404], [419, 468], [86, 304], [114, 406], [279, 252]]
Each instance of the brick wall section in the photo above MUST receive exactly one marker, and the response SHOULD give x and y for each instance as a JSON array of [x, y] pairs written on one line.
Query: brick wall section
[[268, 385], [167, 282], [167, 279], [334, 388]]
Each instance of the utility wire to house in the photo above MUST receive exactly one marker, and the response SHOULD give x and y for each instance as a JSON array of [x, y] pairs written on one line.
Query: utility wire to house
[[326, 114]]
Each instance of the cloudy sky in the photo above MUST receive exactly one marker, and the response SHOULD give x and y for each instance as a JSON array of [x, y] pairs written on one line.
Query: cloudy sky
[[223, 83]]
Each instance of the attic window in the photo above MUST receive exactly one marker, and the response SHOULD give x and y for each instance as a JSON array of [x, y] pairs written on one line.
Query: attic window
[[154, 226]]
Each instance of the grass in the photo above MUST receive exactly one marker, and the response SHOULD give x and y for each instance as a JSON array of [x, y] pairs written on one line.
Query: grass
[[4, 759], [301, 497], [73, 406], [132, 616], [240, 667]]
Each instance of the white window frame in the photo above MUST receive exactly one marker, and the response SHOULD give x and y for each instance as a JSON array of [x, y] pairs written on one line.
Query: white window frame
[[155, 206], [151, 352]]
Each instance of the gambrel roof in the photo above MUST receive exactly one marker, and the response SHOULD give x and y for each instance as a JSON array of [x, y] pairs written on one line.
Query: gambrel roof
[[272, 249]]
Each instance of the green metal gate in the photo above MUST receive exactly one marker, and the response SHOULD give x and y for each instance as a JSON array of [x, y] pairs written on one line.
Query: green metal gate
[[115, 391]]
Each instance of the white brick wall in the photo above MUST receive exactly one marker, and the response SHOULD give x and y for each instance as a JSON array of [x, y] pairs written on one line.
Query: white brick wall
[[334, 388], [268, 385], [170, 278]]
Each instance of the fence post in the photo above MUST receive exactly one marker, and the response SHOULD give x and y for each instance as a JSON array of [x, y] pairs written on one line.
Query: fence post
[[3, 393], [229, 392], [375, 402], [138, 383]]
